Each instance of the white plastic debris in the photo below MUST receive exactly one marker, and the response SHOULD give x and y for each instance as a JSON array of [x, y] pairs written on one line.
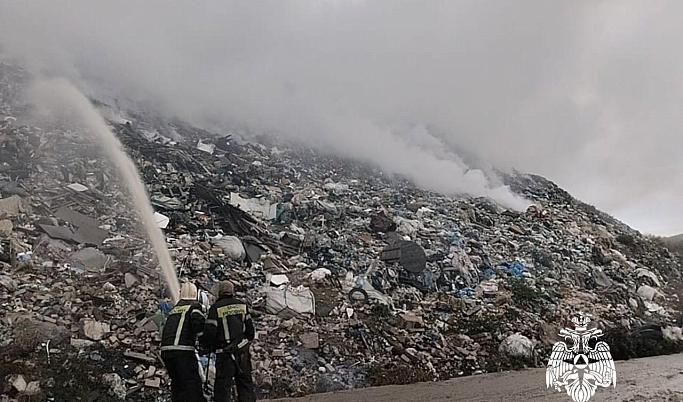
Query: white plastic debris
[[231, 246], [517, 345], [260, 207], [289, 301], [208, 148], [279, 279], [320, 274], [161, 220], [78, 187]]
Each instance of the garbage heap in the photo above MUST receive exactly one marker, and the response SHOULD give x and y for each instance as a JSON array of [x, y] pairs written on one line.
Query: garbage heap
[[354, 277]]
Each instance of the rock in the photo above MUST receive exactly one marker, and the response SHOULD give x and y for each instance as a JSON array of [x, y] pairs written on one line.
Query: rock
[[13, 206], [599, 256], [7, 283], [139, 356], [95, 330], [648, 293], [131, 280], [81, 343], [601, 279], [33, 388], [278, 353], [517, 345], [644, 273], [117, 387], [19, 383], [415, 206], [108, 287], [381, 223], [150, 371], [6, 227], [310, 340], [516, 230], [153, 382], [90, 258], [45, 331], [549, 334], [411, 321]]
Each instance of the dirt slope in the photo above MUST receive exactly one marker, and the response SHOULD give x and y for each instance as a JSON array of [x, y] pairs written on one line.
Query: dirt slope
[[652, 379]]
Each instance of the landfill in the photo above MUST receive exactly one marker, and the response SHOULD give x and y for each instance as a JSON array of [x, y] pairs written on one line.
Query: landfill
[[355, 278]]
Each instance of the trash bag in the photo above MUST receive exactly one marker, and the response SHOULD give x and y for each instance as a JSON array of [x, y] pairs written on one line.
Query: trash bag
[[232, 247], [288, 301]]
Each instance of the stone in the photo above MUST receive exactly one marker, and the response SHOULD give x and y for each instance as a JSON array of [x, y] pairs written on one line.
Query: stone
[[411, 321], [95, 330], [13, 206], [549, 334], [381, 223], [278, 353], [311, 340], [33, 388], [19, 383], [108, 287], [150, 371], [644, 273], [601, 279], [153, 382], [516, 230], [81, 343], [517, 345], [649, 293], [131, 280], [117, 387], [139, 356], [6, 227], [90, 258]]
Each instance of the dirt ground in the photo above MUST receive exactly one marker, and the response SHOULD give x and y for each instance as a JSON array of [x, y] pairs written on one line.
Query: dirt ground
[[651, 379]]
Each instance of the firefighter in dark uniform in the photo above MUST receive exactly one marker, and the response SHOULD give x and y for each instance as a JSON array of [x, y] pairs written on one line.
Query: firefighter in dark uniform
[[227, 332], [178, 340]]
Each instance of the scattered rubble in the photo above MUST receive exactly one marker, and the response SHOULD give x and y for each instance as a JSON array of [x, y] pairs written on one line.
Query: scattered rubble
[[353, 277]]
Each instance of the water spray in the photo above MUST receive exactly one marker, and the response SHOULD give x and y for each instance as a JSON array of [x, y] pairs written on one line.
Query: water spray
[[60, 94]]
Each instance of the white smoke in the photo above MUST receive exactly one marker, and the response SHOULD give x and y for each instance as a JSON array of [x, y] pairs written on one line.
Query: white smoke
[[583, 92]]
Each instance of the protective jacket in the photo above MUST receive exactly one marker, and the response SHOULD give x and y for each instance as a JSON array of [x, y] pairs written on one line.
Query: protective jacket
[[183, 325], [228, 326]]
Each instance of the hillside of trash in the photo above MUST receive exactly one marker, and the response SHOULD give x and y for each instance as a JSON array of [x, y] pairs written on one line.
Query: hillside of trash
[[355, 278]]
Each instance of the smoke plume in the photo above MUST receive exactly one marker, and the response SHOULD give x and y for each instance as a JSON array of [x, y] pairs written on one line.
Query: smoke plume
[[586, 93]]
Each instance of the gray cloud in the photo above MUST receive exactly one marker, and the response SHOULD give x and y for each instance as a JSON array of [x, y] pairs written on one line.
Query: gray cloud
[[587, 93]]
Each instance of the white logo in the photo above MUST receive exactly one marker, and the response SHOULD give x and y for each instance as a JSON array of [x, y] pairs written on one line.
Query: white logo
[[580, 369]]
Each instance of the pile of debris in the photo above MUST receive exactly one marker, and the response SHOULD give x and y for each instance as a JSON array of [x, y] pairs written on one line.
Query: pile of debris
[[355, 278]]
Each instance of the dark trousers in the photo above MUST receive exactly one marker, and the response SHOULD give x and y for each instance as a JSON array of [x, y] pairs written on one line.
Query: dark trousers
[[234, 369], [186, 382]]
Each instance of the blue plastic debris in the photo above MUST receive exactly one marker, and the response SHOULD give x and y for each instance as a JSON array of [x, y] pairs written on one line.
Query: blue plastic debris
[[454, 238], [165, 307], [516, 269], [467, 291], [488, 272]]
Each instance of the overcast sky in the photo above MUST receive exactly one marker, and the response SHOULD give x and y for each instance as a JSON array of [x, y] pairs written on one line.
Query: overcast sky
[[586, 93]]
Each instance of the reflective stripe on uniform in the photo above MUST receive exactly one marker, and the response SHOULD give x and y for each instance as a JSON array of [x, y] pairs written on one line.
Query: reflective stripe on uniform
[[212, 322], [226, 330], [177, 347], [231, 309], [183, 311]]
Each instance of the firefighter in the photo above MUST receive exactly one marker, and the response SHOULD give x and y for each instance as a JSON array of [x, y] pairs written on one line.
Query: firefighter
[[178, 340], [227, 332]]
